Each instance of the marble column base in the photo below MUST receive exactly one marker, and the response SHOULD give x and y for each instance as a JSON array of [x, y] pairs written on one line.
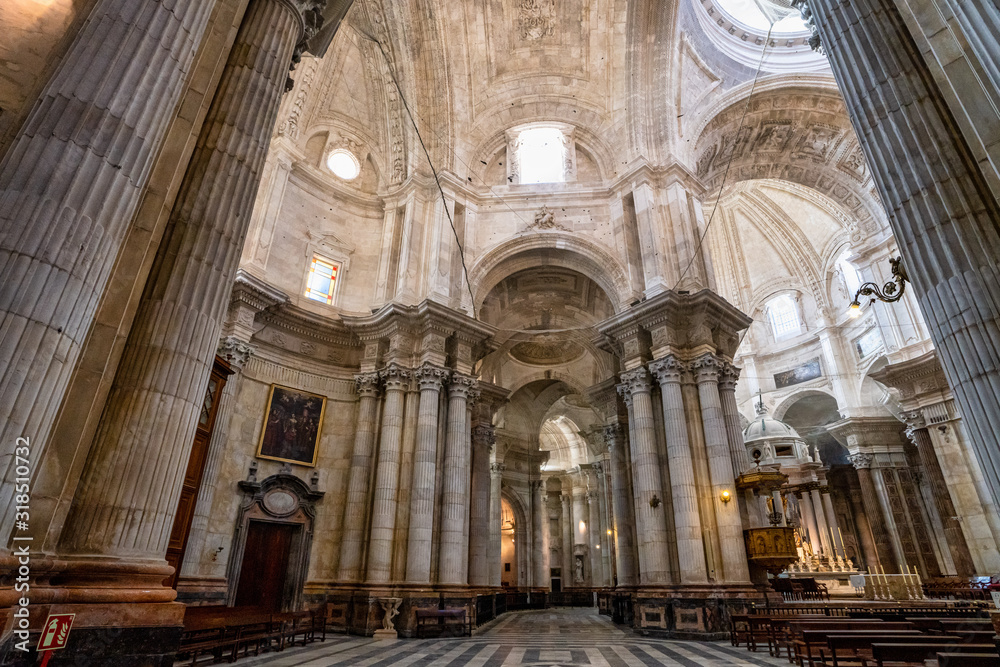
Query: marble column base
[[686, 612]]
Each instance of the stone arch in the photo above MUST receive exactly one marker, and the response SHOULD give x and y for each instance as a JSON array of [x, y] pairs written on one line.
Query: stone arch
[[522, 528], [781, 409], [551, 249], [796, 134]]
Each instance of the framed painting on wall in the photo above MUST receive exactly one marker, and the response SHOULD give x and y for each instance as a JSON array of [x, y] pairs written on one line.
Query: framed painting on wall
[[293, 421]]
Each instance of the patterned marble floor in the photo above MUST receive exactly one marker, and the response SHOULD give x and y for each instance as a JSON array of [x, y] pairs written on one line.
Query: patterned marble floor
[[548, 638]]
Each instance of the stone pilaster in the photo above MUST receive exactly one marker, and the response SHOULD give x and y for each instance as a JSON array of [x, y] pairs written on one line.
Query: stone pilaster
[[539, 536], [70, 185], [581, 528], [940, 207], [418, 552], [886, 550], [496, 480], [237, 353], [566, 500], [596, 529], [720, 468], [602, 488], [916, 430], [647, 483], [621, 503], [483, 440], [831, 521], [687, 523], [809, 519], [145, 433], [352, 545], [453, 561], [395, 381], [822, 522]]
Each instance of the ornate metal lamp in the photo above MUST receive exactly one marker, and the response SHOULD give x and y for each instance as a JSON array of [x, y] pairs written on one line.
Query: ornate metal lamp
[[890, 292]]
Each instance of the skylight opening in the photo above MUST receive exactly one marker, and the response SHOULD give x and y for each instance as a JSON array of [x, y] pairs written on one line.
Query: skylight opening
[[749, 14], [541, 155]]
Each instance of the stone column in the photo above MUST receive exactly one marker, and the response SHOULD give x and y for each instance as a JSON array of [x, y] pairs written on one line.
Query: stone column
[[70, 185], [566, 499], [483, 439], [809, 518], [916, 429], [831, 521], [602, 487], [128, 493], [237, 353], [778, 505], [596, 529], [404, 499], [687, 522], [822, 524], [539, 536], [728, 375], [940, 206], [647, 483], [453, 558], [383, 525], [621, 503], [887, 556], [496, 518], [356, 505], [720, 470], [581, 528], [418, 551]]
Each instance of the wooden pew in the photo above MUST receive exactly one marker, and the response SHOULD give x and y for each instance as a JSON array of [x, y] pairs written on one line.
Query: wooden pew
[[968, 660], [855, 650], [812, 644], [442, 623], [916, 655]]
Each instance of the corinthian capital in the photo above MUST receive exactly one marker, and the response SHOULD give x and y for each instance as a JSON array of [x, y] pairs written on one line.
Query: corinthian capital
[[614, 436], [637, 381], [496, 469], [862, 460], [484, 435], [914, 422], [728, 375], [667, 369], [396, 378], [707, 368], [235, 351], [367, 384], [461, 385], [431, 377]]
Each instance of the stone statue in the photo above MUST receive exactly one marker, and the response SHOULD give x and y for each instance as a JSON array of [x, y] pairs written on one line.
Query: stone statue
[[578, 577], [544, 218], [391, 608]]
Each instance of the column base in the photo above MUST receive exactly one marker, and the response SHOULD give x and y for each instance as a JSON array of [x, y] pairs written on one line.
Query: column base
[[357, 611], [681, 612]]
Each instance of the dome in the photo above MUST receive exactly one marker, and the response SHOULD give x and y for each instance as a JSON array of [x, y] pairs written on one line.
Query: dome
[[765, 427]]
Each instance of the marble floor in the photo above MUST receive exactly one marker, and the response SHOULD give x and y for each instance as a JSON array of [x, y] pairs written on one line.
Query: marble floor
[[546, 638]]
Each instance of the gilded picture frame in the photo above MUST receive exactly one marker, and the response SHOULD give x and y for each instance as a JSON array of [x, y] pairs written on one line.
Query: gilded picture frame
[[293, 425]]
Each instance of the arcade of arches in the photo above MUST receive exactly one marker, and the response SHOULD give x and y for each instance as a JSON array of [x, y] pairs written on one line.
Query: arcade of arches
[[490, 296]]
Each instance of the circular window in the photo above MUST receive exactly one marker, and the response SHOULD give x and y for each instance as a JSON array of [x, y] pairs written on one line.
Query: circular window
[[751, 13], [343, 164]]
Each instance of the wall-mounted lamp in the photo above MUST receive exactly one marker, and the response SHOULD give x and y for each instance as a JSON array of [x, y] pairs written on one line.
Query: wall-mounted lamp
[[725, 496], [609, 531], [654, 502], [890, 292], [215, 556]]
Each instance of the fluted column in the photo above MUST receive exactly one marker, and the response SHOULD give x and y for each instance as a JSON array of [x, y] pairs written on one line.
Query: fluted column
[[404, 498], [687, 522], [602, 488], [566, 499], [887, 556], [720, 470], [453, 558], [128, 492], [595, 529], [496, 517], [836, 539], [539, 536], [581, 527], [960, 554], [483, 439], [237, 353], [728, 376], [809, 519], [70, 185], [621, 504], [942, 213], [822, 524], [383, 528], [356, 505], [647, 483], [418, 551]]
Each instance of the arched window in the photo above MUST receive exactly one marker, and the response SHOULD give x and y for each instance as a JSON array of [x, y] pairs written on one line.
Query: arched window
[[541, 155], [852, 277], [784, 316]]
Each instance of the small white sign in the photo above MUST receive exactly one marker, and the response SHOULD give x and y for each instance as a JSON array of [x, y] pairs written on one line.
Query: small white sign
[[996, 598]]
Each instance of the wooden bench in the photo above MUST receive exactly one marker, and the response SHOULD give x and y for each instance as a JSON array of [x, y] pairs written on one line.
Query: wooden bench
[[916, 655], [856, 650], [781, 635], [443, 623], [813, 642], [968, 659], [216, 641]]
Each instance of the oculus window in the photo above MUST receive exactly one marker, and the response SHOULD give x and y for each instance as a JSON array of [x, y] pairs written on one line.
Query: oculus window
[[343, 164], [322, 280]]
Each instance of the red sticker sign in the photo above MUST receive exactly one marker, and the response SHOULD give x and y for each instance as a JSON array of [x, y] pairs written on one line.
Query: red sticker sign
[[55, 632]]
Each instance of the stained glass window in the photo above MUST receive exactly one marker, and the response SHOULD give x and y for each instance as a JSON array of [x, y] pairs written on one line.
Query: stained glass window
[[322, 280]]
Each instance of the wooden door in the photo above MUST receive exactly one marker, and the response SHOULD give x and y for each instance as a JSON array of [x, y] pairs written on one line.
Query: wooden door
[[195, 469], [265, 565]]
